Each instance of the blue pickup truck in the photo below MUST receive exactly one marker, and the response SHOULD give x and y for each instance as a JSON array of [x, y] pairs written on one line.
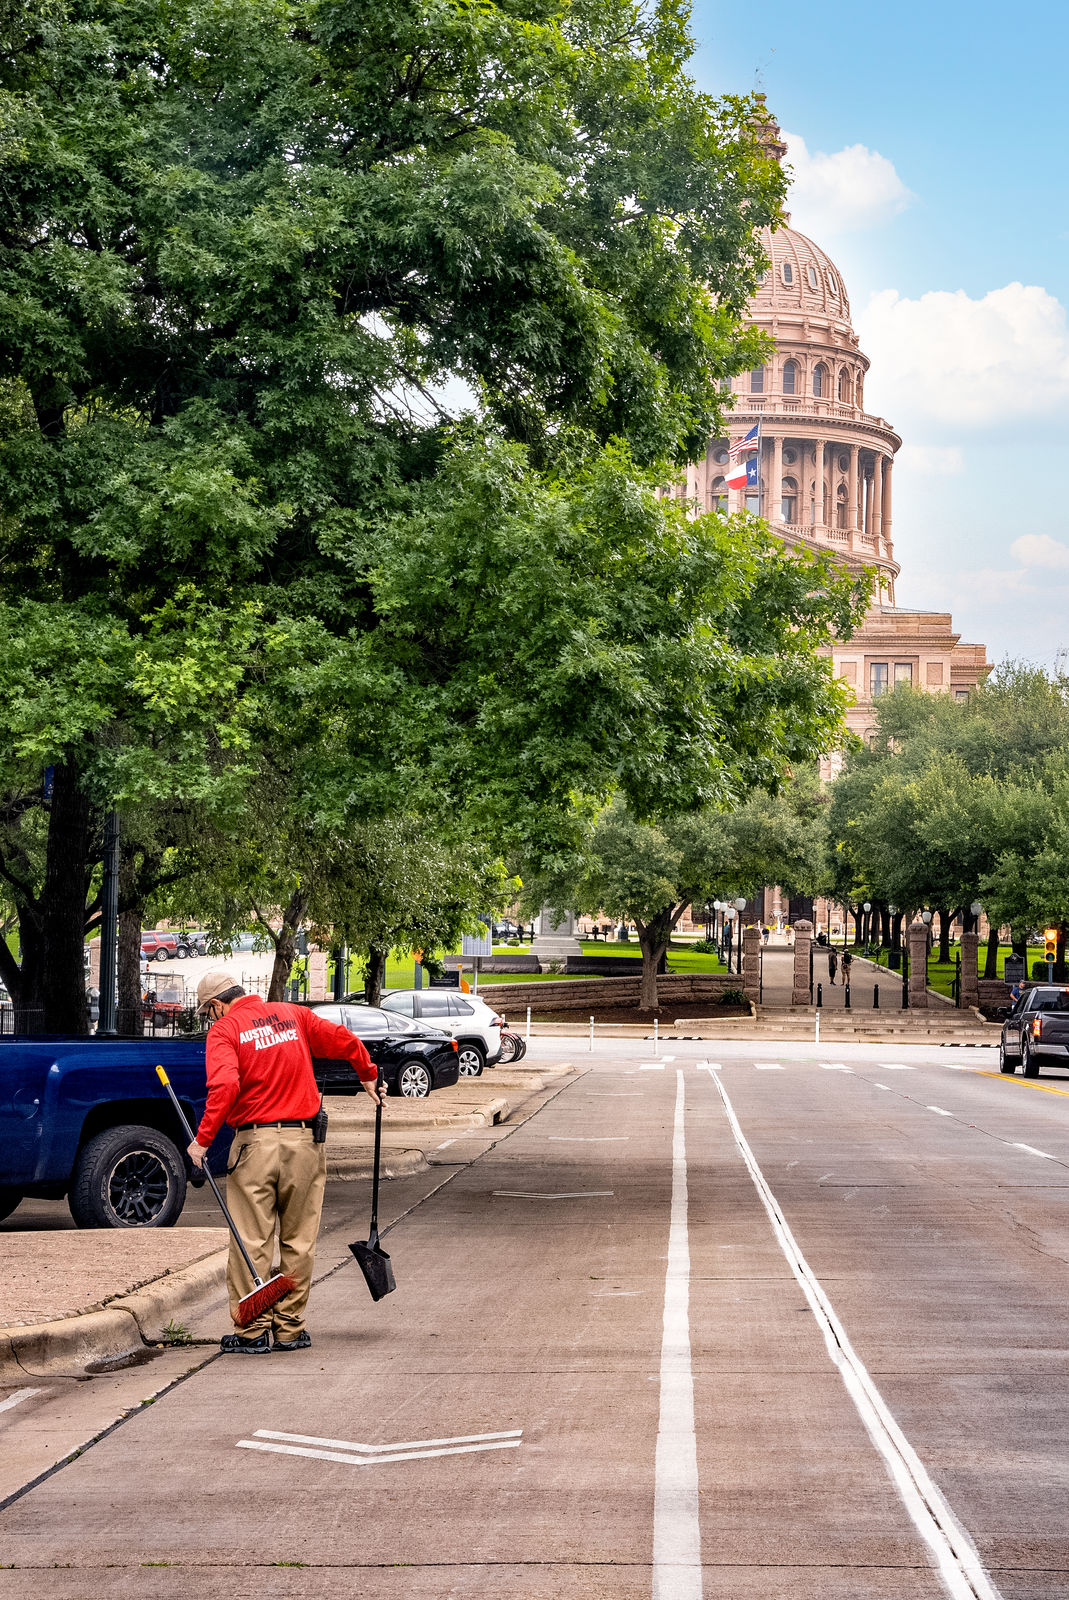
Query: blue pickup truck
[[88, 1118]]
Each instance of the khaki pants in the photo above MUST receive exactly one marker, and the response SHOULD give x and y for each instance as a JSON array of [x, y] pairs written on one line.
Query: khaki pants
[[275, 1176]]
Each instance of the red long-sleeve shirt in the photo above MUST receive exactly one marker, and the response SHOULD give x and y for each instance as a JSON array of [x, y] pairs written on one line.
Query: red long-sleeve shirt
[[259, 1061]]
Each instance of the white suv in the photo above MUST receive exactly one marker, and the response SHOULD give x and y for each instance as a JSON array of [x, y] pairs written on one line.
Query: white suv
[[465, 1017]]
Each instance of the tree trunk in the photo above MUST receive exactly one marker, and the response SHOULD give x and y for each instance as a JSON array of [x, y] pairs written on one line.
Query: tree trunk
[[374, 975], [944, 936], [51, 994], [653, 937], [128, 1019], [285, 942], [991, 958]]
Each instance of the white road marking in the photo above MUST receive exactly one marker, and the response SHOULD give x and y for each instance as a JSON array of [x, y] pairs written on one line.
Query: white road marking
[[372, 1461], [886, 1086], [894, 1066], [677, 1556], [18, 1397], [767, 1066], [578, 1194], [446, 1143], [592, 1138], [835, 1066], [651, 1066], [707, 1066], [953, 1550], [384, 1449], [939, 1111], [1032, 1151]]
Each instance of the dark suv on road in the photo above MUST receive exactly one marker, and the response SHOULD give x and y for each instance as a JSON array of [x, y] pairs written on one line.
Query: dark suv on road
[[1036, 1031]]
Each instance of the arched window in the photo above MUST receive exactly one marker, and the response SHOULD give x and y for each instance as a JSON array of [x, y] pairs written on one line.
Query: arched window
[[845, 386], [788, 499], [820, 380], [858, 392], [840, 508], [757, 380], [788, 272], [718, 495], [790, 376], [811, 277]]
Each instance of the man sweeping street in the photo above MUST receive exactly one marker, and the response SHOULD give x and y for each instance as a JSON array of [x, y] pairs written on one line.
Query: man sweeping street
[[261, 1082]]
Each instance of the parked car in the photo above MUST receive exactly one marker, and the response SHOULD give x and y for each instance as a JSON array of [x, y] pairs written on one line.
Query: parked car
[[87, 1118], [414, 1058], [159, 947], [469, 1020], [1035, 1032], [191, 944]]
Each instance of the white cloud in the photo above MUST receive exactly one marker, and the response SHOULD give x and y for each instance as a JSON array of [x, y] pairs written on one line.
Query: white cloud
[[932, 461], [964, 361], [1040, 550], [848, 189]]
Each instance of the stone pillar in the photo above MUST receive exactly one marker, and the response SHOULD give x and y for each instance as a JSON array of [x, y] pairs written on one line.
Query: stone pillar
[[970, 971], [803, 938], [888, 464], [775, 513], [877, 496], [814, 510], [94, 963], [851, 486], [822, 485], [918, 965], [317, 975], [751, 963]]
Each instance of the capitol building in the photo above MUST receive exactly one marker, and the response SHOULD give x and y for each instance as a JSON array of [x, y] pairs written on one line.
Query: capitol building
[[826, 470]]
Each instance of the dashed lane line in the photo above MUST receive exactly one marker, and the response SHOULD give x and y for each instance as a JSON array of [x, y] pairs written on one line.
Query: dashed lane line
[[939, 1111], [954, 1554], [1032, 1151]]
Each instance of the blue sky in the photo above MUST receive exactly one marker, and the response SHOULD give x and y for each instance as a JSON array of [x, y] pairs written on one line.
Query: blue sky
[[928, 154]]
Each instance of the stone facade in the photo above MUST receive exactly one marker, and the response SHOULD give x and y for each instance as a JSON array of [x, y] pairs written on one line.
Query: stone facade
[[825, 470]]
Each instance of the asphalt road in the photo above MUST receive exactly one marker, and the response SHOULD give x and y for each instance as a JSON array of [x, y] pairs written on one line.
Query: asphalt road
[[728, 1323]]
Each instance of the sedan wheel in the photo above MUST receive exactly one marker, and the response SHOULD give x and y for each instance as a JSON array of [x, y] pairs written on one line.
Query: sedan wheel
[[1029, 1064], [1004, 1063], [470, 1060], [414, 1081]]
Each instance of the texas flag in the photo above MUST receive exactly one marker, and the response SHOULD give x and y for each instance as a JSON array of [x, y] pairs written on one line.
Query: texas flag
[[742, 475]]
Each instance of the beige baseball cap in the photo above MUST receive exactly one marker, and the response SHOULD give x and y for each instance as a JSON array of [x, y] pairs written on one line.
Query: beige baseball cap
[[212, 985]]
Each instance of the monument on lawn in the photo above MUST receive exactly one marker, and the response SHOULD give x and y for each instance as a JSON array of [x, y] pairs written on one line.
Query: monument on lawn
[[554, 938]]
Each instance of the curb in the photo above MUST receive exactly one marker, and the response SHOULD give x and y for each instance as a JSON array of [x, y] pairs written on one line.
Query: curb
[[348, 1165]]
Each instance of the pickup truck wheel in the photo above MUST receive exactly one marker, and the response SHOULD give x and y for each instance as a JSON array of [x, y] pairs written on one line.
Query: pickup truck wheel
[[1004, 1062], [128, 1177], [1029, 1064], [9, 1199]]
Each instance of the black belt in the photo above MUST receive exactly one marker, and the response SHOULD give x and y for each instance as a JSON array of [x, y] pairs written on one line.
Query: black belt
[[243, 1127]]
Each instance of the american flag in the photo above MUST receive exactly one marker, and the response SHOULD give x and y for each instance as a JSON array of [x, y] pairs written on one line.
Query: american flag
[[739, 447]]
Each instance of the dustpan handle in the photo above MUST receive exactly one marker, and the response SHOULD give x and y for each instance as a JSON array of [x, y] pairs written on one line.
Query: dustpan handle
[[373, 1236]]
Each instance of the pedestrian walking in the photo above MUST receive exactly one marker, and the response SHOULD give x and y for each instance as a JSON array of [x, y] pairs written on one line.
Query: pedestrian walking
[[848, 961], [261, 1082], [833, 964]]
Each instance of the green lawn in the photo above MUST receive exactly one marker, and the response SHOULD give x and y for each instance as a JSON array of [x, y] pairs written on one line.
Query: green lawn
[[681, 958]]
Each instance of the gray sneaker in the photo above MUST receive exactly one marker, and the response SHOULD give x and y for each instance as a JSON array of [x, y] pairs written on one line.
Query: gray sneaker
[[232, 1344]]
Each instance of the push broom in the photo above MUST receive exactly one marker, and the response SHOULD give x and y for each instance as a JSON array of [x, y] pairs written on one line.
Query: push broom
[[264, 1295]]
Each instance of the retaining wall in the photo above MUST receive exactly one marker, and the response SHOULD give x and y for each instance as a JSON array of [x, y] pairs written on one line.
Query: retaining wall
[[582, 994]]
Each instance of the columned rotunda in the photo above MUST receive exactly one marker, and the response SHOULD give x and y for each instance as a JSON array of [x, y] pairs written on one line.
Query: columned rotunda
[[825, 469]]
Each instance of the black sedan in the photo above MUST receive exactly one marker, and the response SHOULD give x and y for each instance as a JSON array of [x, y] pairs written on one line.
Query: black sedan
[[1036, 1031], [413, 1058]]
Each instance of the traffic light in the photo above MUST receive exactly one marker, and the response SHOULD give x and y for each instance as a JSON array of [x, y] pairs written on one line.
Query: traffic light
[[1051, 937]]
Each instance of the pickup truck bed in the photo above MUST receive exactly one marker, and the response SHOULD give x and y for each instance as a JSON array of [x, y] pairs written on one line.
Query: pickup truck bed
[[88, 1118]]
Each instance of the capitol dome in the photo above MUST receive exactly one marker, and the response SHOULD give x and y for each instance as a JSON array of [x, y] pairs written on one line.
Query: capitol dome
[[801, 278]]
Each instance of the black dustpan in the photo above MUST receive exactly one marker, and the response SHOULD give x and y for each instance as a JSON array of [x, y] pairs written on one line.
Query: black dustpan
[[371, 1258]]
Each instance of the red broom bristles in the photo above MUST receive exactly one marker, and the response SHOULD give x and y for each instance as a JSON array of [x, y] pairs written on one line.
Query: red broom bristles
[[263, 1298]]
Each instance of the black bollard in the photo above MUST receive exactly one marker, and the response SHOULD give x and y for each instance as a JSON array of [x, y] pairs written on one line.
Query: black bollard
[[875, 997], [846, 996], [905, 995], [820, 995]]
